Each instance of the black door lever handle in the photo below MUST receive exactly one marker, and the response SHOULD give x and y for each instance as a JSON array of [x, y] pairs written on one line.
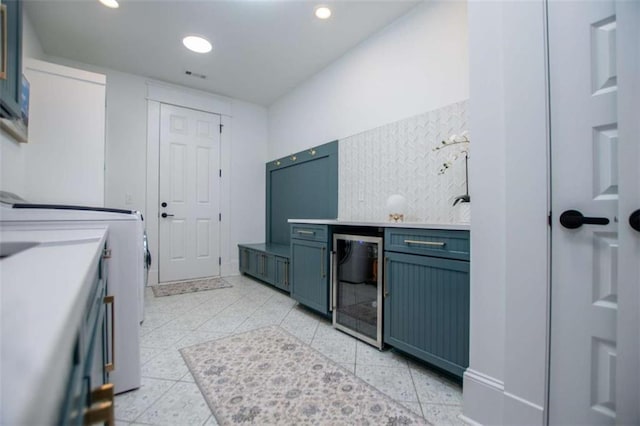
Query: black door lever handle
[[634, 220], [572, 219], [166, 215]]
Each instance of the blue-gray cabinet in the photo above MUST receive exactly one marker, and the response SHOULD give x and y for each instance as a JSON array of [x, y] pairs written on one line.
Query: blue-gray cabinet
[[88, 397], [282, 273], [426, 305], [11, 68], [310, 266], [266, 262]]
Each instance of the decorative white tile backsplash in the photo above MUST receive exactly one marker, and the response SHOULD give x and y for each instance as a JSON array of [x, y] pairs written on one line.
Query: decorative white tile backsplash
[[398, 158]]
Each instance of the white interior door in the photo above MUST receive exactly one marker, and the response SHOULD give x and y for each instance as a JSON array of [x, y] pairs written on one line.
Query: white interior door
[[189, 194], [591, 380]]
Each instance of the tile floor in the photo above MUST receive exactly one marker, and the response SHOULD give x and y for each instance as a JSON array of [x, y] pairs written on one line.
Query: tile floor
[[169, 395]]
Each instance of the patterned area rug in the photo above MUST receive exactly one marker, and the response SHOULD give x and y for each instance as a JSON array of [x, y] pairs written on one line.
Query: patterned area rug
[[189, 286], [267, 376]]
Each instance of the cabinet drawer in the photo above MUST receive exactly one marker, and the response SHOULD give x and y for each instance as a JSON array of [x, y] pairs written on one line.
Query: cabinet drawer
[[432, 242], [309, 232]]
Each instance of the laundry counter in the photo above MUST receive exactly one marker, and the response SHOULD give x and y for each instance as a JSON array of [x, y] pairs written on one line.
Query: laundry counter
[[44, 293]]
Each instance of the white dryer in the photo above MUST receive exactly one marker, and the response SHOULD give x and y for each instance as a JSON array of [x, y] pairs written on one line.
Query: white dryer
[[127, 268]]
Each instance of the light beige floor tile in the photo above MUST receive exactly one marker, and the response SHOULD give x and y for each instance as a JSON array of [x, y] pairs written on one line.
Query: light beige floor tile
[[395, 382], [146, 354], [155, 319], [445, 415], [194, 337], [371, 356], [339, 348], [130, 405], [350, 367], [226, 321], [167, 365], [183, 404], [211, 421], [188, 322], [432, 388], [161, 338], [413, 406]]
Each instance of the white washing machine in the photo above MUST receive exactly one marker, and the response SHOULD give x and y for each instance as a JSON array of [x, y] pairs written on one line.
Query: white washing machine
[[127, 268]]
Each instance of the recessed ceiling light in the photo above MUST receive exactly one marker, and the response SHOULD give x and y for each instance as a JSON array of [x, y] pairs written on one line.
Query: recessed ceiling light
[[323, 12], [113, 4], [196, 44]]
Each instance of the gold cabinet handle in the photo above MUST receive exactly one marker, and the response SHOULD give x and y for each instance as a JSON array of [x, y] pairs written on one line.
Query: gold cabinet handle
[[110, 366], [99, 413], [102, 393], [303, 232], [426, 243], [322, 271], [102, 407], [3, 17]]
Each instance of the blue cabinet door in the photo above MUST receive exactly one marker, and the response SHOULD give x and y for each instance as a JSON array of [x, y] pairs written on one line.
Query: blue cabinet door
[[426, 309], [282, 273], [309, 274]]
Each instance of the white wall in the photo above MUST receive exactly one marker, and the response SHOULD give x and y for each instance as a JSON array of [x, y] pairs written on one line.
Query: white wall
[[506, 379], [417, 64], [12, 154], [64, 158], [126, 158]]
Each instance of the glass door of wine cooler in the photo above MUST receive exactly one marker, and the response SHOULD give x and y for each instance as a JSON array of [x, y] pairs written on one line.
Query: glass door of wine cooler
[[356, 286]]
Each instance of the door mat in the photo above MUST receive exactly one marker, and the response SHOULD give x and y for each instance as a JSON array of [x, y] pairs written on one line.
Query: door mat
[[189, 286], [267, 376]]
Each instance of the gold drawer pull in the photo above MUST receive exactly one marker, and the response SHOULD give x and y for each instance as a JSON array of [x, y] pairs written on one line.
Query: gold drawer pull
[[99, 413], [3, 54], [426, 243], [102, 393], [306, 232], [111, 300]]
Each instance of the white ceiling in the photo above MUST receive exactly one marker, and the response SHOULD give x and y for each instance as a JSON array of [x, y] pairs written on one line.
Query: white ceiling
[[261, 48]]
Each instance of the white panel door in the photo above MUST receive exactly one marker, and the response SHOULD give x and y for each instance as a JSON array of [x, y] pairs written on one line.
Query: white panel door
[[591, 272], [189, 194]]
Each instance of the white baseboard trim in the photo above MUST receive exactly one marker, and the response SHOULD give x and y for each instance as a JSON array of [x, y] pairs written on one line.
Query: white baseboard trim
[[519, 411], [483, 399], [485, 402]]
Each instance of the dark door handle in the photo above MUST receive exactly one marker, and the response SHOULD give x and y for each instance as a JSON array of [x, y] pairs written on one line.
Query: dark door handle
[[573, 219], [634, 220], [166, 215]]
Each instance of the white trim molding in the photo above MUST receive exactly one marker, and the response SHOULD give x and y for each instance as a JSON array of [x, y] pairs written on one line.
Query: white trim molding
[[483, 398], [189, 98], [157, 94]]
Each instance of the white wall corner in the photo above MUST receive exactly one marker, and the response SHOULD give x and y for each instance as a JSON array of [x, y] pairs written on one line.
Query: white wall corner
[[483, 399]]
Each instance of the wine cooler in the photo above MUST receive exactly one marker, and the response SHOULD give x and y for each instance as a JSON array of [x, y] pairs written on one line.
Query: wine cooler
[[356, 286]]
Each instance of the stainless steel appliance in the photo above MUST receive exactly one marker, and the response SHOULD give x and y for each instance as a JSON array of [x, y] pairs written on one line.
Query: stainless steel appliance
[[356, 286]]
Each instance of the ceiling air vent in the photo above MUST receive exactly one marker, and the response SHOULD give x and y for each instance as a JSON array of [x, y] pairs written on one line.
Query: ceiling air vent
[[195, 74]]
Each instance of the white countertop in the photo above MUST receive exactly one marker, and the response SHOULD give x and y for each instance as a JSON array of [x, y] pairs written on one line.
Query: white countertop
[[44, 291], [422, 225]]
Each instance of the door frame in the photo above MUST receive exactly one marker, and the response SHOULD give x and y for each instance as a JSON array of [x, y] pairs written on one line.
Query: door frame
[[163, 93]]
